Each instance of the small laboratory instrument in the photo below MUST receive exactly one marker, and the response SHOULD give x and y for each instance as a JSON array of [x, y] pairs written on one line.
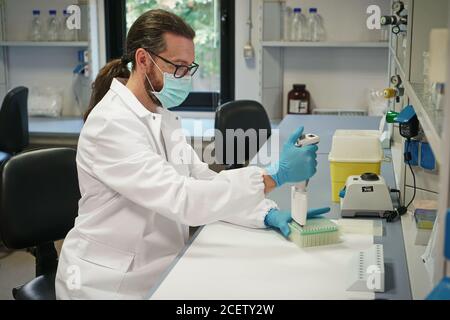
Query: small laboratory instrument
[[396, 80], [299, 196], [397, 20], [408, 122], [391, 93], [366, 270], [365, 195]]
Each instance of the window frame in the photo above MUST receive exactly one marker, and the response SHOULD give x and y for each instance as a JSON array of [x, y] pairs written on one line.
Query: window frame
[[115, 34], [115, 28]]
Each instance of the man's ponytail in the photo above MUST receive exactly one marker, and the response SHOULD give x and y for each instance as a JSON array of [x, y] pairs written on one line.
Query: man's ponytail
[[116, 68]]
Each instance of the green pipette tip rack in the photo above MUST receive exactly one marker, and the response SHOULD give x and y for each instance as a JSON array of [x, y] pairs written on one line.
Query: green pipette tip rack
[[316, 232]]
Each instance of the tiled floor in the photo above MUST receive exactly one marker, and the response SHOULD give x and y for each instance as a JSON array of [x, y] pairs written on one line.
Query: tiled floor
[[15, 269]]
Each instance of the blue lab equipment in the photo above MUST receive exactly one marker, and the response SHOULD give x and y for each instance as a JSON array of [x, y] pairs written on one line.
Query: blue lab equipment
[[408, 122], [412, 147], [442, 290], [427, 159]]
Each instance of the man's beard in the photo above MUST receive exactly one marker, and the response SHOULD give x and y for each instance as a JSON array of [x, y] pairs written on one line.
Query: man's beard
[[149, 90]]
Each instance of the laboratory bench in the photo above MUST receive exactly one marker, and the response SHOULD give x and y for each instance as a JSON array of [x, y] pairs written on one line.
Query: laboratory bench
[[66, 130], [225, 261], [62, 131]]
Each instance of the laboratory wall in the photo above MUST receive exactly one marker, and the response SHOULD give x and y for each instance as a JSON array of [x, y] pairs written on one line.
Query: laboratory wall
[[246, 81], [425, 17], [42, 67], [408, 60], [337, 76]]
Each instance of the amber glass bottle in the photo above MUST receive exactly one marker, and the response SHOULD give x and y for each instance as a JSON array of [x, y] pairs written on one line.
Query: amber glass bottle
[[299, 100]]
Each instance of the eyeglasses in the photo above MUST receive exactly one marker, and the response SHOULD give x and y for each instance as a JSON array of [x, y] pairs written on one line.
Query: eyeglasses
[[180, 69]]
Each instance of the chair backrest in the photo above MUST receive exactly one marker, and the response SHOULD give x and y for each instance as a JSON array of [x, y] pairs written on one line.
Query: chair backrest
[[14, 121], [245, 115], [39, 197]]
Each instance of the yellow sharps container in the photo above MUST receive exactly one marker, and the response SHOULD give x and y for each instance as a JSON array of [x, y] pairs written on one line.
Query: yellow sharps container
[[353, 152]]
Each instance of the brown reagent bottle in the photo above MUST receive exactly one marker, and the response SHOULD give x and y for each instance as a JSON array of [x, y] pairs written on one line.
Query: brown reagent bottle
[[299, 100]]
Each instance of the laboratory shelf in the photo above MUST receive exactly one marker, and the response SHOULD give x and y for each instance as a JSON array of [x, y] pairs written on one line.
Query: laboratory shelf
[[77, 44], [326, 44], [430, 119]]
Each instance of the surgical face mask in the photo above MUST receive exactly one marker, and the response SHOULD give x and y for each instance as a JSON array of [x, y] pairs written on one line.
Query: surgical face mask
[[174, 91]]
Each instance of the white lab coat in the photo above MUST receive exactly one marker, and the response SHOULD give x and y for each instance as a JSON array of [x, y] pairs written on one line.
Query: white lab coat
[[138, 200]]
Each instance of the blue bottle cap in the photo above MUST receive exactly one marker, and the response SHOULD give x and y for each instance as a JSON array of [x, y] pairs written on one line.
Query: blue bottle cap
[[52, 12], [36, 12], [312, 10], [297, 10]]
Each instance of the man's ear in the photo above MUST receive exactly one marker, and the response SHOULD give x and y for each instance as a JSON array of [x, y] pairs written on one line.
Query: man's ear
[[142, 60]]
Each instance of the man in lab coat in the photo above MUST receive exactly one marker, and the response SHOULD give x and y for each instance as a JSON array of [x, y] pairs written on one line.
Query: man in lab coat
[[142, 186]]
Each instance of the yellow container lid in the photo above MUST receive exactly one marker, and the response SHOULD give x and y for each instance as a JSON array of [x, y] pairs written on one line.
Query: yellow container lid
[[356, 146]]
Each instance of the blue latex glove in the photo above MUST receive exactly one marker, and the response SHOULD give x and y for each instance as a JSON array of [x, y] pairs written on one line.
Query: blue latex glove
[[296, 164], [280, 219]]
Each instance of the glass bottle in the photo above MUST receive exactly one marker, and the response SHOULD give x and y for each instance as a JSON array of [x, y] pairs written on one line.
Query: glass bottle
[[36, 26], [52, 26], [299, 100]]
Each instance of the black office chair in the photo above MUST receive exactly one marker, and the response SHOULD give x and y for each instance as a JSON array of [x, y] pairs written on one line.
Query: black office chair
[[38, 205], [13, 128], [13, 123], [245, 115]]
